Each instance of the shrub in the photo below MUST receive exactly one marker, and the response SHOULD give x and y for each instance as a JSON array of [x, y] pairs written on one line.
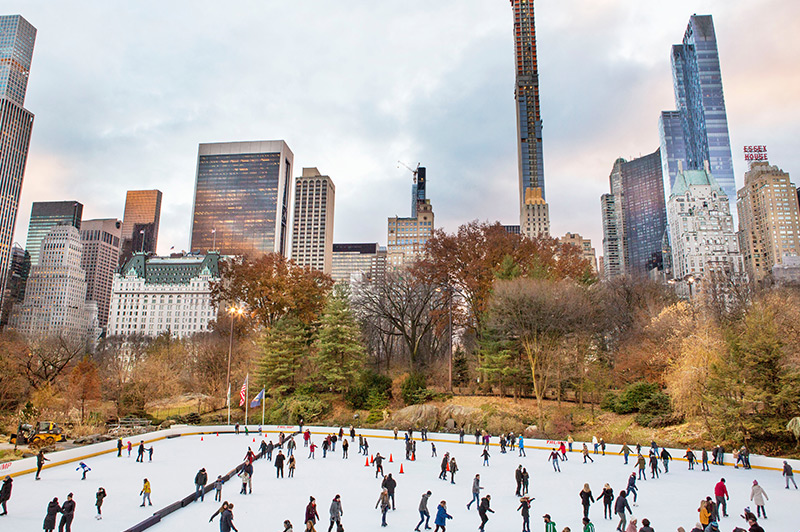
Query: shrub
[[305, 407], [370, 389], [609, 402], [375, 416], [655, 406], [634, 395], [414, 390]]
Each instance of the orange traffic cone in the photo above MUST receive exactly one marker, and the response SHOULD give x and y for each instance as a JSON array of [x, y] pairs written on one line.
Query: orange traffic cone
[[367, 462], [401, 469], [201, 438], [371, 459], [390, 458], [254, 440], [413, 456], [217, 433], [448, 466]]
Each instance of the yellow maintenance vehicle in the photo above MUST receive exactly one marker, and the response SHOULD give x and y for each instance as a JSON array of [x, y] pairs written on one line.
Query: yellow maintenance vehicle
[[42, 434]]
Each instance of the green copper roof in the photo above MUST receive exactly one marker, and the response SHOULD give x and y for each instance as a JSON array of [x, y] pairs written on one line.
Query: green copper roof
[[689, 178], [171, 270]]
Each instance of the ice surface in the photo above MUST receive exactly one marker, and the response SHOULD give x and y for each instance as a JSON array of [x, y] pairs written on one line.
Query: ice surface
[[668, 502]]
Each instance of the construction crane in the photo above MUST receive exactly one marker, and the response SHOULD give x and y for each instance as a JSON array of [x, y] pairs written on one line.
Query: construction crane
[[412, 170]]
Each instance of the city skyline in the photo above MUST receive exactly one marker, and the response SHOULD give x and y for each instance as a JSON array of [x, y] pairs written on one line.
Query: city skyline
[[139, 120]]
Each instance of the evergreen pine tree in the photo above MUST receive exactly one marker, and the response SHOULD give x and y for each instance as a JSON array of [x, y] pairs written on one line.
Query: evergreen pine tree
[[283, 347], [340, 351]]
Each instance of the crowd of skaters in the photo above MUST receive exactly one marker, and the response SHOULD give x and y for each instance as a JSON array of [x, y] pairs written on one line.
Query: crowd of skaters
[[710, 511]]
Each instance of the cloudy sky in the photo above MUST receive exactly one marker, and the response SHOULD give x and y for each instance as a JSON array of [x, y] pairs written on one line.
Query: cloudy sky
[[123, 92]]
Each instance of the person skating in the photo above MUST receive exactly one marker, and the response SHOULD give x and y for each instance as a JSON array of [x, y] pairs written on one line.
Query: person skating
[[311, 511], [484, 509], [619, 508], [789, 474], [641, 463], [140, 452], [245, 476], [757, 495], [562, 448], [219, 511], [40, 460], [5, 494], [433, 450], [632, 487], [626, 452], [518, 478], [704, 457], [311, 449], [287, 526], [200, 481], [262, 449], [485, 455], [150, 454], [646, 526], [336, 512], [586, 499], [632, 525], [444, 465], [53, 509], [721, 496], [554, 457], [704, 513], [383, 502], [129, 447], [586, 454], [390, 484], [270, 448], [453, 470], [218, 488], [754, 526], [119, 447], [145, 493], [441, 517], [476, 491], [525, 509], [595, 444], [352, 434], [607, 496], [653, 465], [665, 458], [525, 479], [293, 465], [690, 457], [291, 446], [345, 448], [280, 458], [424, 514], [67, 515], [588, 526], [378, 461], [226, 520], [521, 445], [477, 436], [461, 435], [99, 497], [602, 446], [549, 524]]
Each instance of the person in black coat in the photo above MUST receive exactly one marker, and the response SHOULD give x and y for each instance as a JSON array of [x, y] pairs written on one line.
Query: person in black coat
[[607, 497], [619, 508], [483, 508], [5, 494], [279, 459], [390, 484], [200, 481], [586, 499], [40, 460], [53, 508], [67, 515]]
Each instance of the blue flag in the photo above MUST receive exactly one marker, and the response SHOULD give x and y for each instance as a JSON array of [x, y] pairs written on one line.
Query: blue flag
[[257, 399]]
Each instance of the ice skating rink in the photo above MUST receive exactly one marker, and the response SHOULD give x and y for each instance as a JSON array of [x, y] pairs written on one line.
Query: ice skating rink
[[668, 502]]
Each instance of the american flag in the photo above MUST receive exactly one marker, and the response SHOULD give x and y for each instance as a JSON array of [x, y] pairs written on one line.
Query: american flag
[[243, 391]]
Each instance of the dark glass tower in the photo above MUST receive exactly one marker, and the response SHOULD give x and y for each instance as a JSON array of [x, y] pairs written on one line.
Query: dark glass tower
[[418, 190], [529, 120], [17, 38], [241, 199], [46, 215], [699, 98], [140, 223]]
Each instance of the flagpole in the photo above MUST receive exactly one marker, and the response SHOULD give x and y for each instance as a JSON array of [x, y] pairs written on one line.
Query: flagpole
[[246, 396], [263, 401]]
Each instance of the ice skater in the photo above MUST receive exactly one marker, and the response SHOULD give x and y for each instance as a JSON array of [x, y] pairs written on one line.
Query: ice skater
[[721, 496], [336, 513], [476, 491], [279, 459], [525, 508], [521, 446], [293, 465], [145, 493], [441, 517], [525, 479], [704, 457], [690, 457], [665, 458], [619, 508], [586, 454], [53, 509], [200, 481], [588, 526], [99, 497], [218, 488], [641, 464], [40, 460], [549, 525], [433, 450], [390, 484], [789, 474], [554, 457], [445, 464], [130, 448], [345, 448], [653, 465], [378, 461], [485, 455], [140, 452], [311, 512], [424, 514], [383, 502], [607, 496], [632, 488], [586, 499], [226, 520], [483, 511], [626, 452], [757, 495], [119, 447], [5, 494], [245, 476], [453, 470], [67, 515], [518, 478]]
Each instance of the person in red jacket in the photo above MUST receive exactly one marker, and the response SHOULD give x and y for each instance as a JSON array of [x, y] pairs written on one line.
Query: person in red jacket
[[721, 494]]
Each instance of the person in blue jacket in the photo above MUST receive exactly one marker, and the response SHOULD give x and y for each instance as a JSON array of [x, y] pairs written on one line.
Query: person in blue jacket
[[441, 516], [521, 446]]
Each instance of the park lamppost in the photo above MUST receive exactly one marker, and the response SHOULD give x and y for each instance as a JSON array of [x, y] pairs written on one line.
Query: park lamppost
[[690, 281], [233, 311]]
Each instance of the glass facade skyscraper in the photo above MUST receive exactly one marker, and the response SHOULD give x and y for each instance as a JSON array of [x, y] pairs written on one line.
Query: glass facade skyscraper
[[529, 120], [46, 215], [699, 98], [241, 200], [634, 217], [418, 190], [140, 223], [17, 38]]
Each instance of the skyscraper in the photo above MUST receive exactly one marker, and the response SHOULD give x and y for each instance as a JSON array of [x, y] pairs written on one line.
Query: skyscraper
[[700, 103], [634, 217], [769, 222], [529, 120], [312, 226], [18, 271], [17, 38], [363, 261], [46, 215], [140, 223], [241, 198], [101, 246], [418, 189]]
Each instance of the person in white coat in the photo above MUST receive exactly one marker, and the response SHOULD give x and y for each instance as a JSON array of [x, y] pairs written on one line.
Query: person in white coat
[[757, 495]]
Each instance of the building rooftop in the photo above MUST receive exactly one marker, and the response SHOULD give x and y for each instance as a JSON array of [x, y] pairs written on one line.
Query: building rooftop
[[171, 270]]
